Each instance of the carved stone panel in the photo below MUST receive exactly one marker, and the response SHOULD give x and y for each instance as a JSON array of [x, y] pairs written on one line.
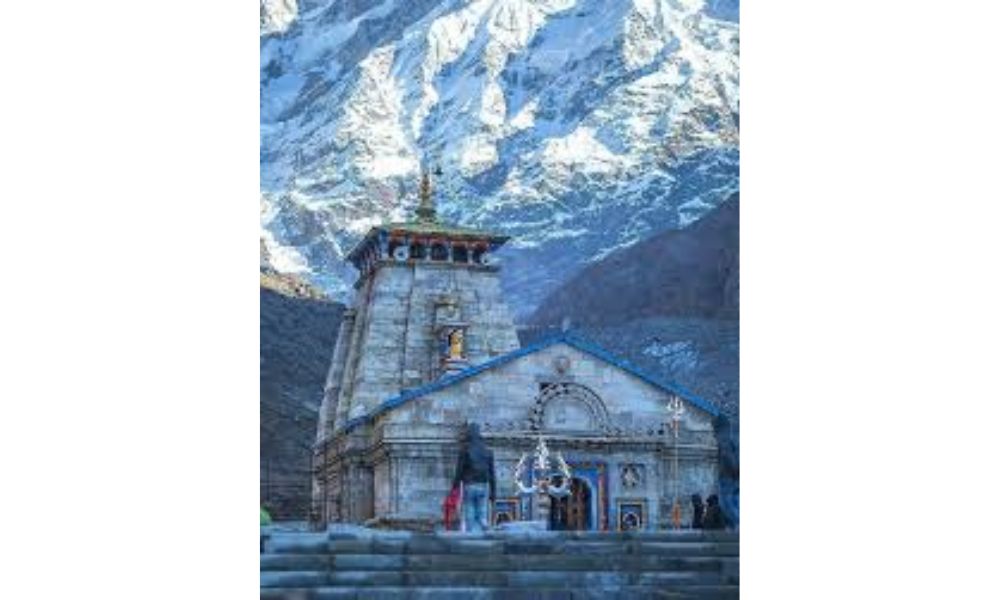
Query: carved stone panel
[[567, 414], [633, 476], [569, 407]]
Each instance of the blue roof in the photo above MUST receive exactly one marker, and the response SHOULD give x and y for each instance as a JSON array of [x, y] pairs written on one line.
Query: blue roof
[[566, 338]]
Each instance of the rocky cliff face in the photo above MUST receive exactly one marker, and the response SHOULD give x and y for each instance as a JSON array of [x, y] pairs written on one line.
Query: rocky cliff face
[[298, 327], [578, 126]]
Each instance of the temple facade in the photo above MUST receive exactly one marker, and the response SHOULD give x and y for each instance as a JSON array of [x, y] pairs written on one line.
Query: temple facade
[[430, 345]]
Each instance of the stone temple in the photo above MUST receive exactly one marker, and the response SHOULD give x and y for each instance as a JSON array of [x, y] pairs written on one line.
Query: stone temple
[[429, 345]]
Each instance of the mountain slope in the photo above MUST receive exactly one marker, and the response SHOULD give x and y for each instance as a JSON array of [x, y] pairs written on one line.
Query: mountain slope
[[692, 272], [577, 126], [298, 327], [669, 304]]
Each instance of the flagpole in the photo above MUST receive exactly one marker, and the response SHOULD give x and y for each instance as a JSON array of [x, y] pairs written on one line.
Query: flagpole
[[676, 409]]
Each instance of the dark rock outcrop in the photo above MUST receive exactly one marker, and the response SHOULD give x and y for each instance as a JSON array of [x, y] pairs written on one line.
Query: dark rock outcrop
[[692, 272], [298, 328]]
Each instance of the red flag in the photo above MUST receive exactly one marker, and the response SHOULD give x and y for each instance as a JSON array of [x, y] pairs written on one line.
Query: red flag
[[451, 506]]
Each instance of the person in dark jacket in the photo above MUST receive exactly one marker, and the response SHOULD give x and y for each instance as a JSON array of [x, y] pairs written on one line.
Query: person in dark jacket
[[713, 514], [699, 512], [729, 471], [475, 473]]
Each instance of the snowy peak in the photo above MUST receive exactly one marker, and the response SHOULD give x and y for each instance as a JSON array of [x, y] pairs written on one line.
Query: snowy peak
[[578, 126], [276, 15]]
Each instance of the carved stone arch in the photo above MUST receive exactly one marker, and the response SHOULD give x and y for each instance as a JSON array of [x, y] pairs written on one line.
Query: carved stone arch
[[571, 407]]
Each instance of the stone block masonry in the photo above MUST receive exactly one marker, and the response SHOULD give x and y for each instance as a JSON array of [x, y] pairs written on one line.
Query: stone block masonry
[[360, 563]]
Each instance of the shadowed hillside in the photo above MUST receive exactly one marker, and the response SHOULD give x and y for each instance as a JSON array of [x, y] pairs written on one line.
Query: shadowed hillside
[[669, 304], [298, 328], [692, 272]]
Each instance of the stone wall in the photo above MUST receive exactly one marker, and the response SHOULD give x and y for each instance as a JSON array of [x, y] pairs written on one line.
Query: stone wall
[[504, 397], [606, 421], [393, 344], [331, 390], [420, 438]]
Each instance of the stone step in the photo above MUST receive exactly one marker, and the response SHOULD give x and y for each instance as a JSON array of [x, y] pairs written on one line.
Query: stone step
[[707, 592], [652, 561], [298, 543], [604, 536], [603, 579], [300, 579], [467, 547], [685, 549], [538, 542], [502, 562], [296, 562], [499, 593], [366, 564]]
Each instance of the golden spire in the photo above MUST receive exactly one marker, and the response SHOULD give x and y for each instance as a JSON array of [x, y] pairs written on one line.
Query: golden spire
[[426, 211]]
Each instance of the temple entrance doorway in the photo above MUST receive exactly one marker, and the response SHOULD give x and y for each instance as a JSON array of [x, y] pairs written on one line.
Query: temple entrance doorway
[[572, 513]]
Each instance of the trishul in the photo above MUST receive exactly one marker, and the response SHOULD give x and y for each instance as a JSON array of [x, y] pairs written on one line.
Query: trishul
[[543, 481]]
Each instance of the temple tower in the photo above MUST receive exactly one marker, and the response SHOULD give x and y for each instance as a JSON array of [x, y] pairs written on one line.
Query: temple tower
[[427, 303]]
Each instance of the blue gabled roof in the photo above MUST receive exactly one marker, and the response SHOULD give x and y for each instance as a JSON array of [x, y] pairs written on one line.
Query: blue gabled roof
[[567, 338]]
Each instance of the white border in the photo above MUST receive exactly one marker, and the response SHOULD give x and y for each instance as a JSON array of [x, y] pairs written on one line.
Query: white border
[[130, 237]]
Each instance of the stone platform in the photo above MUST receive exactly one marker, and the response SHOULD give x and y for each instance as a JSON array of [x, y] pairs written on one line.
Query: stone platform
[[353, 562]]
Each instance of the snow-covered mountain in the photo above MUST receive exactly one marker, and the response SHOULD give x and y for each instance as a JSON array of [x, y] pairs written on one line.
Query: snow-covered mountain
[[576, 126]]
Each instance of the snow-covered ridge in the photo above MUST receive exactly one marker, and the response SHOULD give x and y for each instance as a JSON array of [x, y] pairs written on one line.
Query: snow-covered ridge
[[577, 126], [277, 15]]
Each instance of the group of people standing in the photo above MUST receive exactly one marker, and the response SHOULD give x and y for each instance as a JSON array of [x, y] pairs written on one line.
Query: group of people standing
[[707, 514], [722, 510], [474, 487]]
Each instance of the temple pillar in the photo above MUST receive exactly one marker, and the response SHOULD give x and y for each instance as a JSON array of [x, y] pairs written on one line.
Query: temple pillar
[[383, 246]]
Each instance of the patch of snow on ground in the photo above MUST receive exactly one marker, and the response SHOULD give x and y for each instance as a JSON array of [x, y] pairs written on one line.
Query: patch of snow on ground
[[674, 356]]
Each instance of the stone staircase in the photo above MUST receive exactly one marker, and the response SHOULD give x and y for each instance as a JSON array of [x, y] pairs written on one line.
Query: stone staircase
[[352, 562]]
